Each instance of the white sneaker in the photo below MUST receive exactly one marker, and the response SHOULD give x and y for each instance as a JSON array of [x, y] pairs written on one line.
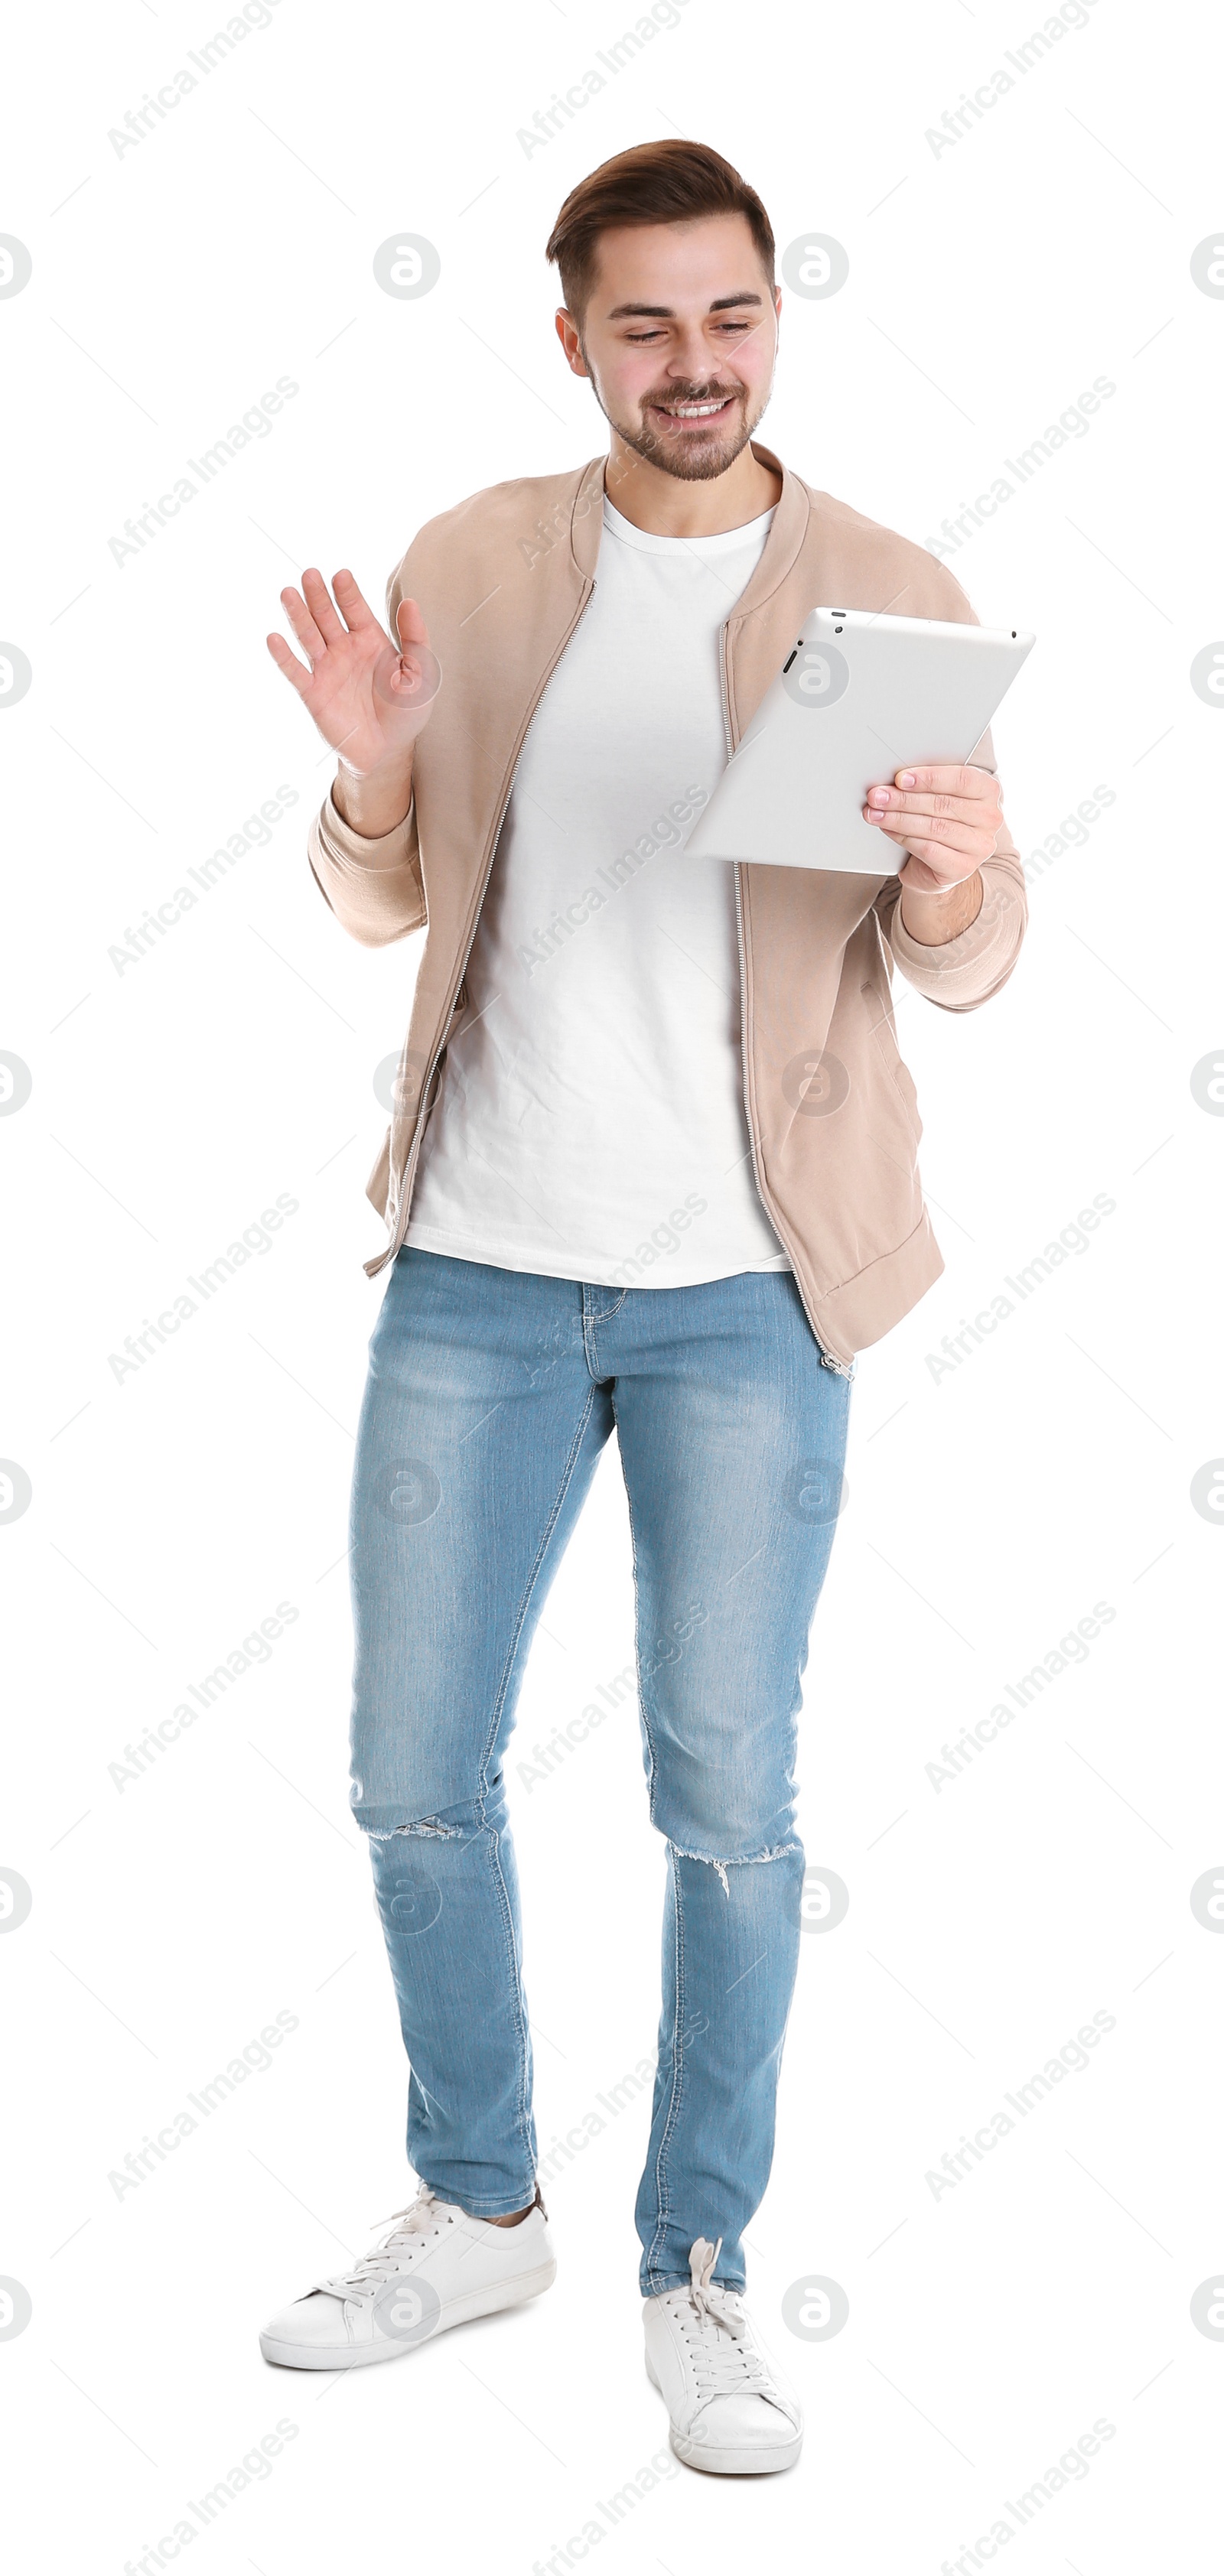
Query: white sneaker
[[730, 2411], [437, 2268]]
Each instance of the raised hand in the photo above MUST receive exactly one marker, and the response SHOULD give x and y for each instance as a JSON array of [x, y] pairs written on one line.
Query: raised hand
[[368, 699]]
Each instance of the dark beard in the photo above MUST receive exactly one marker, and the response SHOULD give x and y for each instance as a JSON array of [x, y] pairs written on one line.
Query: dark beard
[[700, 467]]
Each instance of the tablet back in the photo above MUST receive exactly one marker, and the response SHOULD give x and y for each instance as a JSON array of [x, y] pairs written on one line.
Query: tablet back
[[859, 697]]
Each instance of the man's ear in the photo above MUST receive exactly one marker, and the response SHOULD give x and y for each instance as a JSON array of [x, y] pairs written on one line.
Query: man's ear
[[570, 339]]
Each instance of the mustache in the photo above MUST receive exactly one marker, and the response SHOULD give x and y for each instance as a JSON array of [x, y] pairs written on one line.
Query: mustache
[[692, 393]]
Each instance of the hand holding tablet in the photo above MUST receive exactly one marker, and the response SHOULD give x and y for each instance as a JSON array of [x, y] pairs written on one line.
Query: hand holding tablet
[[861, 698], [943, 823]]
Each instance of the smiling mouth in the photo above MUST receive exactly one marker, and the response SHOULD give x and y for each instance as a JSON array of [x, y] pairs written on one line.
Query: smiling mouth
[[701, 415]]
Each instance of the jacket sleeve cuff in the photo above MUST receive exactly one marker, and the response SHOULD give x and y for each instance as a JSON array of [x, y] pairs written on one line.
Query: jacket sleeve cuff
[[969, 968], [373, 886], [352, 853]]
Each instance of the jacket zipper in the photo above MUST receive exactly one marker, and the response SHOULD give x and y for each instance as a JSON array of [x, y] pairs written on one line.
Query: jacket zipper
[[405, 1198], [829, 1358]]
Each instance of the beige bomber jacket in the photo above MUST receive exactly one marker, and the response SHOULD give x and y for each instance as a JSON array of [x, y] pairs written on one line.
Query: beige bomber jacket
[[832, 1113]]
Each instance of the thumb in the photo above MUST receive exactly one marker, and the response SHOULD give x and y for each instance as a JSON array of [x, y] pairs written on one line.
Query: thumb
[[410, 626]]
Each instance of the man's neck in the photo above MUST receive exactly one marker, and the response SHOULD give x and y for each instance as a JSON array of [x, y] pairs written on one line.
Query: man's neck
[[663, 505]]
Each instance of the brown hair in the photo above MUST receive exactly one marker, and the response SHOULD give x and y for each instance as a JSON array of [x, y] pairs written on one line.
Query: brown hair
[[655, 183]]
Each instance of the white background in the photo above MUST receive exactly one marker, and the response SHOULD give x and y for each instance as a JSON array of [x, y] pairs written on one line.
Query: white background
[[174, 1915]]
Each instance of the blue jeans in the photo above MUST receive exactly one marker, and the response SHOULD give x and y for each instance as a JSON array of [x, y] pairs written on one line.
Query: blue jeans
[[490, 1395]]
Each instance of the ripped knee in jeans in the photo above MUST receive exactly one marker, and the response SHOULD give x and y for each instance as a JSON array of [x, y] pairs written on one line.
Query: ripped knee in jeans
[[741, 1860], [450, 1827]]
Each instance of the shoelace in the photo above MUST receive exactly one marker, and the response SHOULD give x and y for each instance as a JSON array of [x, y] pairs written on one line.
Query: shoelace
[[374, 2268], [716, 2331]]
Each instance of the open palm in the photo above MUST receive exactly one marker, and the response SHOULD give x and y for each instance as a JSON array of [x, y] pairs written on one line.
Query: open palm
[[368, 698]]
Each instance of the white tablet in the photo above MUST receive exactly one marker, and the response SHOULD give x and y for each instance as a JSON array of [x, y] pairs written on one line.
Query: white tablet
[[859, 697]]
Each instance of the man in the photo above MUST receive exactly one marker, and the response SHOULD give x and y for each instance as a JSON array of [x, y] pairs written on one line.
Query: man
[[651, 1168]]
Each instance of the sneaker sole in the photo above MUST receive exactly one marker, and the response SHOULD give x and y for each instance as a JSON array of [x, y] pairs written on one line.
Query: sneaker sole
[[457, 2312], [754, 2463]]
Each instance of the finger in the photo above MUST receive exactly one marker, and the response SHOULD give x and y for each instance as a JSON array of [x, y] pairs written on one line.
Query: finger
[[410, 626], [288, 663], [936, 832], [945, 867], [303, 625], [354, 605], [913, 802], [319, 602], [948, 781], [892, 801]]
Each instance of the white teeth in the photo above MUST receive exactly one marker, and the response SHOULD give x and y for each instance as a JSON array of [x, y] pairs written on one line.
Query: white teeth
[[694, 411]]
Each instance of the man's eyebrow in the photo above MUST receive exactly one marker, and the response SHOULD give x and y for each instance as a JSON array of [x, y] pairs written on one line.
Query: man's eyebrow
[[666, 312]]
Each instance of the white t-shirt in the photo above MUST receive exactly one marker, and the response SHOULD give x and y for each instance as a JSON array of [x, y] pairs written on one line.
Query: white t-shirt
[[590, 1123]]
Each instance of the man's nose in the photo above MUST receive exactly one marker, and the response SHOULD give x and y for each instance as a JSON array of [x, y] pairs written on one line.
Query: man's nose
[[693, 360]]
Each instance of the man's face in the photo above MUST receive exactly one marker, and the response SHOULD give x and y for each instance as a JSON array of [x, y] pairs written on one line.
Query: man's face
[[679, 339]]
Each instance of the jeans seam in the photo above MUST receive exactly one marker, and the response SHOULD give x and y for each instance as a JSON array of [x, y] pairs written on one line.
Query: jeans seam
[[522, 2112], [528, 1589], [663, 2217], [589, 1325], [637, 1632], [491, 1738]]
